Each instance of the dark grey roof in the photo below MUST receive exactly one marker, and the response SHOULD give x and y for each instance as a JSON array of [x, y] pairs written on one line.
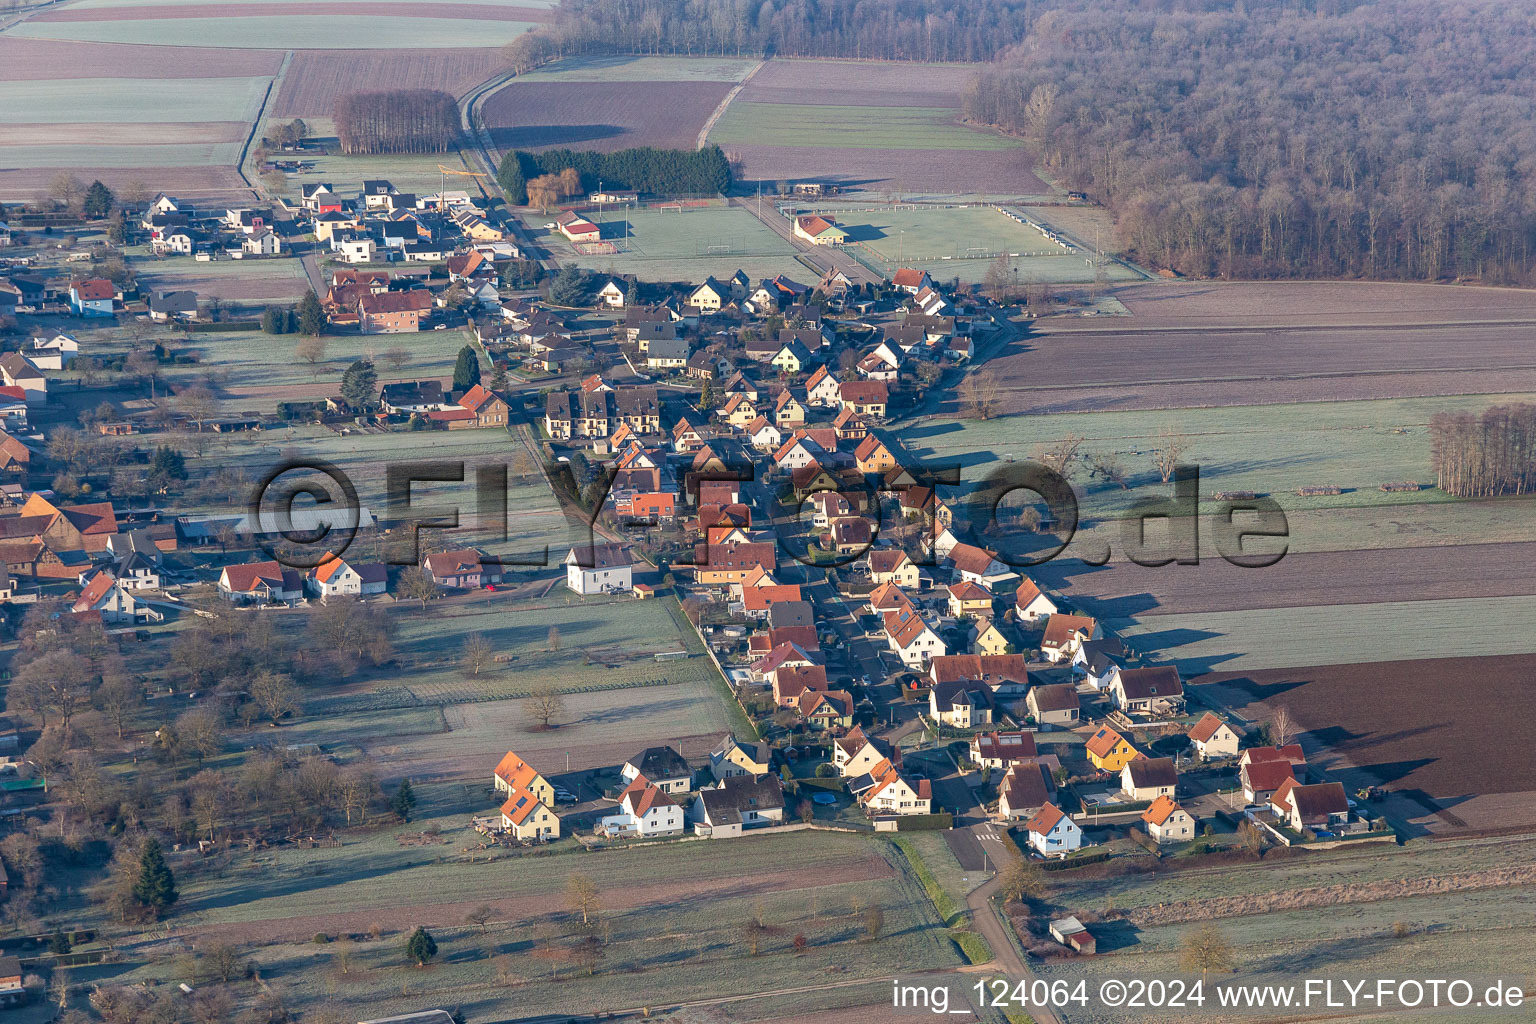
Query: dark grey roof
[[657, 763], [173, 302], [740, 795]]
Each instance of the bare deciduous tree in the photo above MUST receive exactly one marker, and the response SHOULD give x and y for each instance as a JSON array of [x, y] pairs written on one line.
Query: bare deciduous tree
[[478, 654], [543, 705], [1171, 447]]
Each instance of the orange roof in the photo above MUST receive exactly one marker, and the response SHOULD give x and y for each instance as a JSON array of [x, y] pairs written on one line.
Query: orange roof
[[516, 772], [758, 598], [1162, 808], [1101, 743], [1045, 819], [520, 806], [94, 591], [1282, 795], [328, 567], [1205, 728], [888, 596], [642, 796], [1060, 627]]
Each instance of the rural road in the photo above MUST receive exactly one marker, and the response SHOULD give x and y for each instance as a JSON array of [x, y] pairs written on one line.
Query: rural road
[[990, 924]]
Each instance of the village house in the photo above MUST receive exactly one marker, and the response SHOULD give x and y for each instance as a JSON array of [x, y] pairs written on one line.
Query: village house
[[893, 565], [645, 811], [867, 398], [1023, 792], [1322, 807], [873, 455], [986, 637], [911, 281], [736, 803], [54, 353], [912, 638], [857, 754], [598, 569], [819, 230], [1153, 692], [1097, 662], [394, 312], [967, 598], [461, 569], [167, 306], [105, 596], [732, 758], [978, 566], [529, 818], [961, 703], [1064, 634], [1167, 822], [998, 750], [1050, 833], [1054, 705], [1147, 778], [260, 583], [826, 709], [822, 389], [885, 791], [92, 297], [1260, 779], [336, 577], [663, 766], [489, 409], [17, 371], [1212, 738], [1108, 751], [1032, 604], [1006, 674]]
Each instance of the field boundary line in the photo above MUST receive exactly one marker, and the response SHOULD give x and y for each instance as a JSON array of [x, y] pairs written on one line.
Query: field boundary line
[[709, 125], [261, 117]]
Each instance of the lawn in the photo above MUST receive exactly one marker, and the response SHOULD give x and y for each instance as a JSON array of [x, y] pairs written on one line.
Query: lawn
[[69, 155], [247, 280], [296, 32], [406, 171], [850, 127], [603, 643], [688, 246], [250, 361]]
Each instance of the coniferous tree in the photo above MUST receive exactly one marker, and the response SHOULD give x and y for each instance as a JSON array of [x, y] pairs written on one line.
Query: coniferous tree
[[466, 370], [98, 201], [156, 886], [421, 947], [311, 315], [404, 800], [360, 385]]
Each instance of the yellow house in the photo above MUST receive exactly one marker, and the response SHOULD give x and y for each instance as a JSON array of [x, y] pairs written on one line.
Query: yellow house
[[732, 759], [872, 456], [986, 638], [527, 817], [739, 411], [967, 598], [1109, 751], [789, 359], [787, 411], [514, 775]]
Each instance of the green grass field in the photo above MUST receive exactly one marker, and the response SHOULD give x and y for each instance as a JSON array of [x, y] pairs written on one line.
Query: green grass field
[[133, 100], [687, 246], [408, 172], [845, 127], [960, 242], [252, 359], [280, 32], [179, 154]]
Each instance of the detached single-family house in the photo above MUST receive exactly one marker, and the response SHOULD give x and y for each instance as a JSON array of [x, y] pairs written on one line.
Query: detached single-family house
[[912, 638], [999, 750], [663, 766], [461, 569], [826, 709], [512, 773], [20, 372], [856, 754], [1167, 822], [1322, 806], [1212, 738], [893, 565], [105, 596], [822, 389], [54, 353], [1064, 634], [599, 569], [177, 305], [1260, 779], [967, 598], [335, 577], [736, 803], [886, 791], [1108, 751], [260, 582], [1023, 792], [645, 811], [1147, 778], [1054, 704], [1050, 833], [92, 297], [961, 703], [1155, 691], [1031, 602]]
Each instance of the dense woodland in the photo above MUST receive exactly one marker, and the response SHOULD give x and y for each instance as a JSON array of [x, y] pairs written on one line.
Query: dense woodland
[[399, 121], [1391, 139], [704, 171], [931, 30], [1487, 455]]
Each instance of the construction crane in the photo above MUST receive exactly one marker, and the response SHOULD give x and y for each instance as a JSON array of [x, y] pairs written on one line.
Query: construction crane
[[445, 171]]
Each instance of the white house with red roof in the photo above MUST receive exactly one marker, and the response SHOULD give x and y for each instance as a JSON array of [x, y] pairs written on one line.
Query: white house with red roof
[[1167, 822], [912, 638], [886, 791], [1050, 833], [105, 596], [336, 577], [260, 583], [644, 812], [1031, 603], [1212, 738]]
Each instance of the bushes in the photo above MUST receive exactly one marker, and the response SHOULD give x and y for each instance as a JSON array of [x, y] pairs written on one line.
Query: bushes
[[972, 946], [936, 895]]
